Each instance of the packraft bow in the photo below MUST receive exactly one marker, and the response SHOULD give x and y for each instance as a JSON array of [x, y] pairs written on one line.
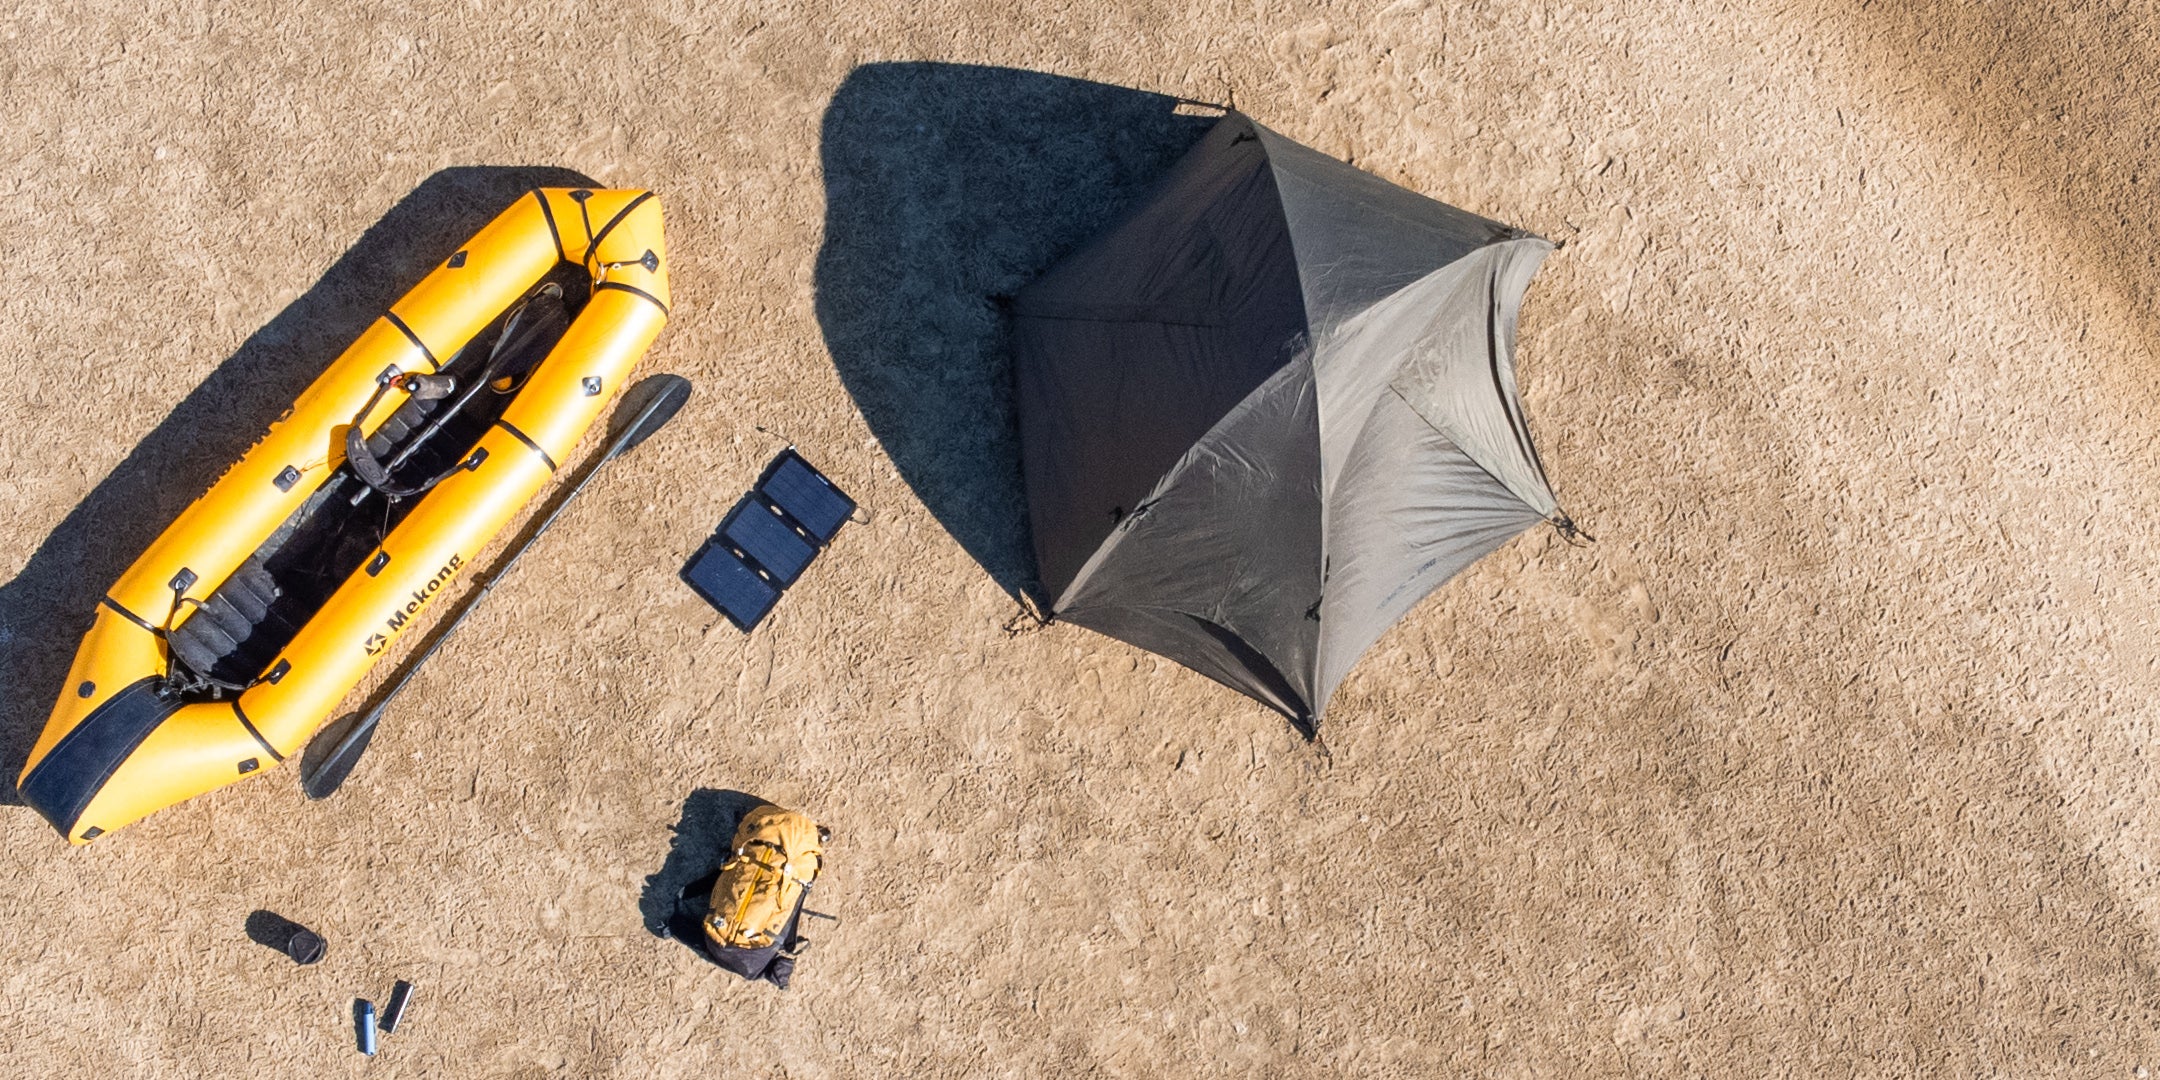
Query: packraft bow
[[234, 636]]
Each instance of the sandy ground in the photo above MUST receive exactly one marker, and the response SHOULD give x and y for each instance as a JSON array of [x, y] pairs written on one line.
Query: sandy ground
[[1831, 757]]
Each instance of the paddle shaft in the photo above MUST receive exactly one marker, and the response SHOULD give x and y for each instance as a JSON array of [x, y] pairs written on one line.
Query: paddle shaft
[[346, 746], [480, 592]]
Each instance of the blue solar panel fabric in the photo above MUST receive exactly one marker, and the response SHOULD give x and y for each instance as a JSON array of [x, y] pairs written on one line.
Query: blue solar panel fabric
[[727, 583], [768, 541], [804, 494]]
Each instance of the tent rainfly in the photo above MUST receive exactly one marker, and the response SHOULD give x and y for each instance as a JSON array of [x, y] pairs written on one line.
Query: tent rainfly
[[1269, 410]]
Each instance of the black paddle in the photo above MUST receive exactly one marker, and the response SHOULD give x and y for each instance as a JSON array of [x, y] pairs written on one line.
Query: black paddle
[[331, 755]]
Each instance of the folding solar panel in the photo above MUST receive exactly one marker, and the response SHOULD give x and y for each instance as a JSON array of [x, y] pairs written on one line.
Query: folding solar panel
[[767, 540]]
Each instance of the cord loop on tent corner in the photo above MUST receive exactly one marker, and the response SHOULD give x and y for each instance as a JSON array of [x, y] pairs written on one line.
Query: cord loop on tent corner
[[1569, 531], [1028, 619]]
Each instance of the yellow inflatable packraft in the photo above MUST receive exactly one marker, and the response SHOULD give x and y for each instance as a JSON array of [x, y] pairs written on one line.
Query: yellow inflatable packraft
[[233, 637]]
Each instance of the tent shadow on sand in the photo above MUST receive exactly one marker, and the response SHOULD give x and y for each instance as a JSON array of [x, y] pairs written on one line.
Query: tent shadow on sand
[[948, 186], [704, 836], [46, 608]]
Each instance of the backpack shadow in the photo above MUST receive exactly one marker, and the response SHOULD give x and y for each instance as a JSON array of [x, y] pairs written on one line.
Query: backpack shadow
[[674, 897]]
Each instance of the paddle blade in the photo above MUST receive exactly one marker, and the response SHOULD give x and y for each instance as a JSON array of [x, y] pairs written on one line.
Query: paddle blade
[[332, 753], [646, 408]]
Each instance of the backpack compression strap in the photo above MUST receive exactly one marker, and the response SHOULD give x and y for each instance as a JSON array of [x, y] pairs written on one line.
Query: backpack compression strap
[[785, 871]]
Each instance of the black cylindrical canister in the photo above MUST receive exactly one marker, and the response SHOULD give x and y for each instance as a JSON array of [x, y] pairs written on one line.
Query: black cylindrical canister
[[272, 930], [305, 946]]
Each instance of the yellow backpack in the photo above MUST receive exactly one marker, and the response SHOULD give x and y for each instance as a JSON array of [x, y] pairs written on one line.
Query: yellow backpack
[[777, 855]]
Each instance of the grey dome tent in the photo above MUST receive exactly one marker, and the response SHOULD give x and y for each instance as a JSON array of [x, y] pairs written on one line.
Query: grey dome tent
[[1269, 410]]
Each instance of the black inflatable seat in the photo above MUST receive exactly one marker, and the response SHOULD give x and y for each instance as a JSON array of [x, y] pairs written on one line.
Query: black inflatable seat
[[215, 639]]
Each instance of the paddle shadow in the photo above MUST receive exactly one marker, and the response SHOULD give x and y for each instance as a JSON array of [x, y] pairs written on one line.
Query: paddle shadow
[[45, 609], [948, 186], [704, 837]]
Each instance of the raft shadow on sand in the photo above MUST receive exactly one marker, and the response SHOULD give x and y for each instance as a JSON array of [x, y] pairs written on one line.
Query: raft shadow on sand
[[703, 838], [946, 186], [45, 609]]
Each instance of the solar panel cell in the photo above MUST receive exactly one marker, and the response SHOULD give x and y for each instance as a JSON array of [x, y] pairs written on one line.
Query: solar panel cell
[[729, 585], [771, 542], [806, 496]]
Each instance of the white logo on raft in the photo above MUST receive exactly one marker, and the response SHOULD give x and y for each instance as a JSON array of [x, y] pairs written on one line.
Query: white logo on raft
[[377, 642]]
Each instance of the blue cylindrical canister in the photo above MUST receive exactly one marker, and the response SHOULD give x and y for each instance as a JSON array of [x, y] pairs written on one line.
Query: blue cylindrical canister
[[364, 1020]]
